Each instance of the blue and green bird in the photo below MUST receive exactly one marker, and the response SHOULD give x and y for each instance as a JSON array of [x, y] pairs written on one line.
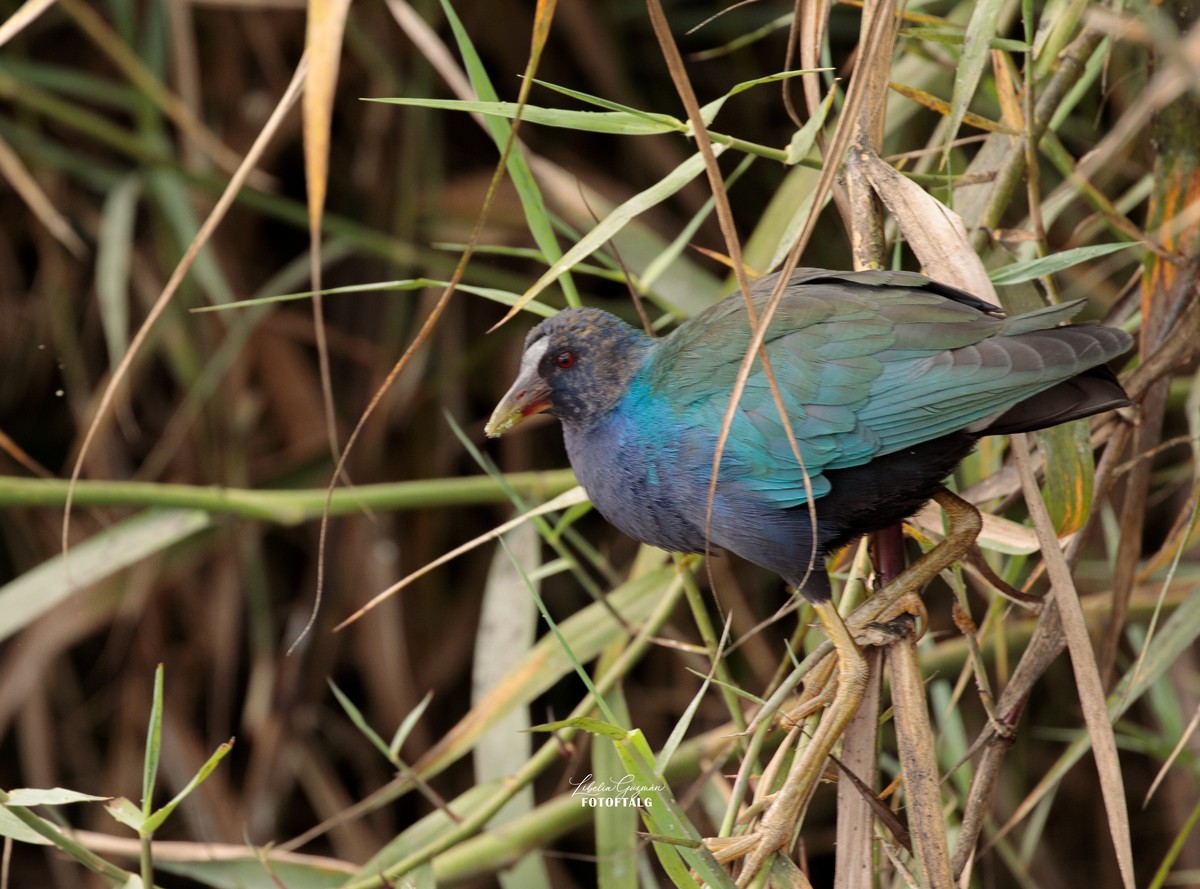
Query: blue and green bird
[[887, 380]]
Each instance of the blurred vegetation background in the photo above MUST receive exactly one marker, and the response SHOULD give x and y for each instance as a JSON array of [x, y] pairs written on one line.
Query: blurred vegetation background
[[195, 526]]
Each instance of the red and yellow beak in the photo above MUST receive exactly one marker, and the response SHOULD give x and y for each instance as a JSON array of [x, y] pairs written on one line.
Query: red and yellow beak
[[529, 395]]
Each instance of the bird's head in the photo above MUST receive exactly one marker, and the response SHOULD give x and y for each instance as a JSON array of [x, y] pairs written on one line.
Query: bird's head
[[576, 366]]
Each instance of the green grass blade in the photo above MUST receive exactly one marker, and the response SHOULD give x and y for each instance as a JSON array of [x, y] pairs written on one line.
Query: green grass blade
[[153, 745], [175, 200], [360, 721], [507, 630], [587, 633], [1020, 272], [537, 217], [1178, 845], [156, 820], [616, 220], [53, 836], [985, 17], [53, 796], [709, 112], [615, 828], [575, 661], [1181, 629], [113, 255], [427, 830], [672, 123], [663, 816], [252, 872], [504, 297], [1070, 472], [619, 123], [406, 726]]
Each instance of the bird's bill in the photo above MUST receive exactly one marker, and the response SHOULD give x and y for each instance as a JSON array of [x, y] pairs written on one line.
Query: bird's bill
[[529, 395]]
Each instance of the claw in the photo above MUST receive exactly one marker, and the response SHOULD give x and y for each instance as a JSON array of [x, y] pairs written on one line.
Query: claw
[[899, 598]]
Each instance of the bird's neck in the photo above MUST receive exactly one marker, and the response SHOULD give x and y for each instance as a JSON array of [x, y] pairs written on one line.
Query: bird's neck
[[608, 388]]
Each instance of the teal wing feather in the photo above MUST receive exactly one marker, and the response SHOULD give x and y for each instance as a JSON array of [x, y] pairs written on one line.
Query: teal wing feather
[[867, 363]]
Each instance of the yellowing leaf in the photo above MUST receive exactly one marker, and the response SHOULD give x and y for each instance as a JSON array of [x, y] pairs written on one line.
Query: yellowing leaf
[[1069, 475]]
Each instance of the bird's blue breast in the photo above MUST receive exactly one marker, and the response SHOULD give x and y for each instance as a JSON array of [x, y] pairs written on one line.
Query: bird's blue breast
[[637, 465]]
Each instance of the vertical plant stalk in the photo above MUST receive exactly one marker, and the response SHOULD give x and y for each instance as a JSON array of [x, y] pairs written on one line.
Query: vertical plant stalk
[[854, 864], [915, 747], [864, 220], [1045, 645], [1176, 187], [1083, 663], [877, 40], [1071, 66]]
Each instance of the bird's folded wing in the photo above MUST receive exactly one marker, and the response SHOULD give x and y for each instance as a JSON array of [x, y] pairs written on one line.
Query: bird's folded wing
[[861, 371]]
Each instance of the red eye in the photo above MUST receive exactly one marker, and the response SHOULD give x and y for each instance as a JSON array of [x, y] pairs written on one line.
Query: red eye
[[565, 360]]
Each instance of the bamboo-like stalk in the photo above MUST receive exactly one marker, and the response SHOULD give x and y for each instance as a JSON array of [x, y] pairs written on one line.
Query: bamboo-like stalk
[[286, 507]]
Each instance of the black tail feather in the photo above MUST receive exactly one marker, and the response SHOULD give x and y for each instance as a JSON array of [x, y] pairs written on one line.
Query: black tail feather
[[1092, 392]]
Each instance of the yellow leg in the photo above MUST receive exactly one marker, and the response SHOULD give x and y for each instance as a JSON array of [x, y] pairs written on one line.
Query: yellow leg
[[964, 526], [776, 828], [779, 822]]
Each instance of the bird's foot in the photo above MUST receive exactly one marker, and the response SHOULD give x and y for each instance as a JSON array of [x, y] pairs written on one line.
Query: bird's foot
[[874, 623], [787, 806], [756, 847]]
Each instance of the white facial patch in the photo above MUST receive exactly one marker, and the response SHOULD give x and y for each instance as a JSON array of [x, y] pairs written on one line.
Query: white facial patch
[[533, 357]]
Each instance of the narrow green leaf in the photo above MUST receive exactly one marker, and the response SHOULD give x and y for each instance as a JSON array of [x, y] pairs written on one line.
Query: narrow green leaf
[[407, 724], [587, 632], [428, 830], [663, 816], [746, 38], [506, 631], [155, 821], [802, 141], [504, 297], [1178, 845], [954, 37], [54, 836], [536, 215], [1181, 630], [621, 123], [653, 117], [15, 829], [734, 689], [667, 258], [54, 796], [127, 813], [252, 873], [1020, 272], [360, 721], [985, 16], [708, 113], [672, 862], [174, 198], [585, 724], [114, 248], [153, 744], [616, 220], [615, 828], [560, 637], [1059, 25], [1070, 470]]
